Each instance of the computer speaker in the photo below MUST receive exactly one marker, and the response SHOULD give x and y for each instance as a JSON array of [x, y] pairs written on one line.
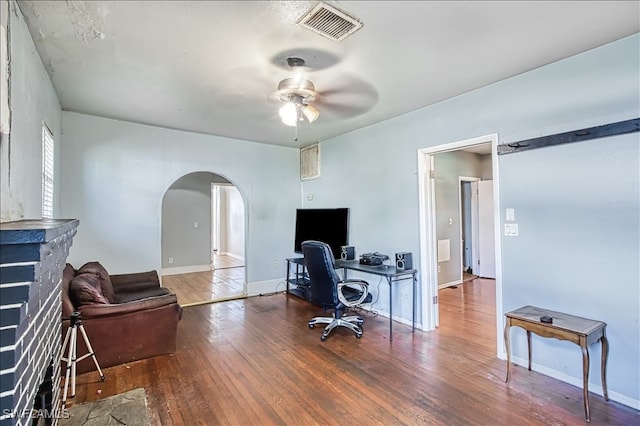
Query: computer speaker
[[403, 261], [348, 253]]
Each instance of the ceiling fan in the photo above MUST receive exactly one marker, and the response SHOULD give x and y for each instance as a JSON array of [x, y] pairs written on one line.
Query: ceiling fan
[[297, 93]]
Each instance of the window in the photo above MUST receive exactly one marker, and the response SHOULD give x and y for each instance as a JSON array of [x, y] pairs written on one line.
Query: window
[[47, 172]]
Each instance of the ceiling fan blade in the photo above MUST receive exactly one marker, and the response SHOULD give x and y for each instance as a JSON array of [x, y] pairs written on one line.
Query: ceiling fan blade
[[345, 97], [274, 97], [244, 87], [345, 83], [342, 111]]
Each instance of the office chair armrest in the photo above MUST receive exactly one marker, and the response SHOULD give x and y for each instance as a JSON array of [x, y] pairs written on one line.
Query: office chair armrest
[[364, 286]]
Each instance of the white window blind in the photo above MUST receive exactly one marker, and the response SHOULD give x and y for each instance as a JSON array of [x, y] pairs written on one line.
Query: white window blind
[[47, 173]]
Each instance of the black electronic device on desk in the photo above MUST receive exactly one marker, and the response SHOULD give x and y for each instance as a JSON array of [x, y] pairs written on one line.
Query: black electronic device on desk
[[373, 259]]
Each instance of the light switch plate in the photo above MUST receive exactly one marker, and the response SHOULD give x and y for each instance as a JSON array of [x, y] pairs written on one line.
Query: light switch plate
[[510, 214]]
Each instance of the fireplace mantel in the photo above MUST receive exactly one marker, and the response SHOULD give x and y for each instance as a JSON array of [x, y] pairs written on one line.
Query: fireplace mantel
[[35, 231]]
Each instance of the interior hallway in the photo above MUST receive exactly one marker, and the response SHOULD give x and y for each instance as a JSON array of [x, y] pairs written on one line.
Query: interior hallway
[[225, 282]]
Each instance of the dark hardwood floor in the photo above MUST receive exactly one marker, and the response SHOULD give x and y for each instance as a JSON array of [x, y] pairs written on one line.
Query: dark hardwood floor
[[255, 362]]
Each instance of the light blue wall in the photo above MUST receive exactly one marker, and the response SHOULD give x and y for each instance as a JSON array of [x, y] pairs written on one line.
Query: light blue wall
[[115, 175], [577, 209], [188, 200], [374, 172], [33, 101]]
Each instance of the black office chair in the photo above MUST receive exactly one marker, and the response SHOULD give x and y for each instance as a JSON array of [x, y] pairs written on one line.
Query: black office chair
[[330, 292]]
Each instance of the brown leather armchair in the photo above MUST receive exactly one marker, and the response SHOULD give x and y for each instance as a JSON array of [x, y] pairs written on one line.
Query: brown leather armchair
[[126, 317]]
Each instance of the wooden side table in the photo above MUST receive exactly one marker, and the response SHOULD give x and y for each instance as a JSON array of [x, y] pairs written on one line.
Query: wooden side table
[[581, 331]]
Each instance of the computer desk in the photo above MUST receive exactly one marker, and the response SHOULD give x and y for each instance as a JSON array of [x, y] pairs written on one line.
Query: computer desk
[[393, 275]]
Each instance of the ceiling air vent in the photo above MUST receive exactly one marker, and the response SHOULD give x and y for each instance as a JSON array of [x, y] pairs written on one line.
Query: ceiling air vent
[[330, 22]]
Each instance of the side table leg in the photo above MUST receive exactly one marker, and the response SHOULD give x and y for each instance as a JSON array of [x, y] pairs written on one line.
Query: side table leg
[[390, 310], [585, 380], [288, 266], [603, 367], [529, 347], [413, 301], [507, 345]]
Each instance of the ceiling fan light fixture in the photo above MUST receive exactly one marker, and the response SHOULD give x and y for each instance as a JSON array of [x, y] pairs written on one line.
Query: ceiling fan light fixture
[[310, 112], [296, 87], [289, 114], [295, 94]]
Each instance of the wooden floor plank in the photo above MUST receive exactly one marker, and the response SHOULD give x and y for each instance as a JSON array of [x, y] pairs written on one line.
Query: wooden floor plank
[[255, 362], [205, 287]]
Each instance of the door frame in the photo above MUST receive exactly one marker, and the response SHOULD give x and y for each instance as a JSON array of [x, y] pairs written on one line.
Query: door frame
[[482, 230], [428, 238]]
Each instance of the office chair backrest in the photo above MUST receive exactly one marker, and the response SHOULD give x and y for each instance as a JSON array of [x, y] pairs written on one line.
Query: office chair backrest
[[320, 264]]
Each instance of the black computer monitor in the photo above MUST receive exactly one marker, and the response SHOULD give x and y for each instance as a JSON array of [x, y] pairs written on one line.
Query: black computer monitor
[[330, 226]]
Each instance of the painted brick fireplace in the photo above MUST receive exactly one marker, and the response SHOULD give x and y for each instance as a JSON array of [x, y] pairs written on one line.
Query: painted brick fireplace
[[33, 254]]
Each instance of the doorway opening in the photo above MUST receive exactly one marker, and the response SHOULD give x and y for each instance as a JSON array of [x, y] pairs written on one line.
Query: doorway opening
[[227, 226], [468, 227], [443, 173], [203, 239]]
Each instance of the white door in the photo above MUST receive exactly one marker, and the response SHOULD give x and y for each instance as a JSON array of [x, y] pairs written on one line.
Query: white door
[[215, 223], [486, 242]]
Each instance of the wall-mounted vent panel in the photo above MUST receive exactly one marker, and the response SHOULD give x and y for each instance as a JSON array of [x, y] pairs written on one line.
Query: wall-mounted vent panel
[[310, 162], [330, 22]]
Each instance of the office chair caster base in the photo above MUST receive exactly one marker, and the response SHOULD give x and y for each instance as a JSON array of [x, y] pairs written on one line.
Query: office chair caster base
[[353, 323]]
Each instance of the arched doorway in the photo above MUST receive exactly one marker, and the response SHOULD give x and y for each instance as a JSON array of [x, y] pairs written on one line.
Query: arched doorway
[[203, 240]]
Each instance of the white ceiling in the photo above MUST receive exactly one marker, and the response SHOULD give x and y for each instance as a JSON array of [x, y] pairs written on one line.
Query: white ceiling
[[211, 66]]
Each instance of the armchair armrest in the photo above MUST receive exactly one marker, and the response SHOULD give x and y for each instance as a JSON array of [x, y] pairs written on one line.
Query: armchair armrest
[[364, 288], [133, 283], [95, 311]]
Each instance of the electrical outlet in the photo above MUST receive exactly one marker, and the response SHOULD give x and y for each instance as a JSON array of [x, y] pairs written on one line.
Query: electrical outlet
[[170, 260], [275, 264], [511, 229], [196, 224], [439, 268]]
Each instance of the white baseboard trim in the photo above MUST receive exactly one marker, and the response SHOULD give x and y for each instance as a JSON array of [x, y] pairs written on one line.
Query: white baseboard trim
[[367, 307], [577, 382], [235, 256], [259, 288], [449, 284], [185, 269]]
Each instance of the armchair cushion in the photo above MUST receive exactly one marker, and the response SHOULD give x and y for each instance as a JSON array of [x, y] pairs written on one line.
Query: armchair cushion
[[105, 282], [137, 283], [84, 289], [126, 297]]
